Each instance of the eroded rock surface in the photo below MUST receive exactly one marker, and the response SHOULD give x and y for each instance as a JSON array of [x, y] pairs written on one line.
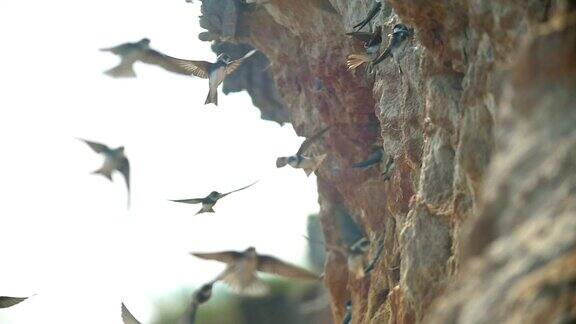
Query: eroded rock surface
[[478, 218]]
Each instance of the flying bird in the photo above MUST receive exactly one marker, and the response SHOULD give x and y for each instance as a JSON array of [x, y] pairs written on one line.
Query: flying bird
[[215, 72], [209, 201], [140, 51], [114, 160], [371, 14], [398, 41], [371, 42], [374, 158], [127, 317], [299, 161], [6, 301], [242, 267]]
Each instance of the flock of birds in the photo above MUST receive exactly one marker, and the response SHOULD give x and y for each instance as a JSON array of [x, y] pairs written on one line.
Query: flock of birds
[[240, 274]]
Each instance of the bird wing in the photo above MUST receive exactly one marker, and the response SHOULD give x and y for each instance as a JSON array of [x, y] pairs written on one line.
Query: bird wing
[[200, 69], [371, 14], [124, 169], [118, 49], [127, 317], [373, 158], [190, 201], [97, 147], [270, 264], [6, 301], [224, 256], [166, 62], [226, 194], [311, 140], [232, 66], [362, 36]]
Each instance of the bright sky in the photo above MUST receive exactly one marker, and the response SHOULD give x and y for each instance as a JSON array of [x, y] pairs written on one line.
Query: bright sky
[[65, 234]]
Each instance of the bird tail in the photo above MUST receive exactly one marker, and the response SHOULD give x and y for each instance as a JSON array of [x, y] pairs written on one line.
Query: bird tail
[[121, 71], [103, 172], [317, 161], [212, 97], [355, 60], [281, 162], [205, 210]]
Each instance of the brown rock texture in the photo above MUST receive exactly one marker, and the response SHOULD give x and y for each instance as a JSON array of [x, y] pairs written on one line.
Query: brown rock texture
[[478, 218]]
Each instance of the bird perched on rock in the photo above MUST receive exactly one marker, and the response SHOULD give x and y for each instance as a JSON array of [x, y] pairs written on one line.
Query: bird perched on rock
[[6, 301], [371, 43], [398, 41], [215, 72], [371, 14], [374, 158], [127, 317], [209, 201], [114, 160], [299, 161], [242, 267]]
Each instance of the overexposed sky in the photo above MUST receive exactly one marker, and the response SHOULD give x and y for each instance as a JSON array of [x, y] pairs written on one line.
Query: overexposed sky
[[66, 235]]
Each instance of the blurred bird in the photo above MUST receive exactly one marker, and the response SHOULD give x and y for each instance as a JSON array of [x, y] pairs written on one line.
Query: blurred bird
[[299, 161], [209, 201], [127, 317], [398, 41], [114, 160], [371, 14], [200, 296], [374, 158], [214, 72], [371, 43], [6, 301], [242, 267]]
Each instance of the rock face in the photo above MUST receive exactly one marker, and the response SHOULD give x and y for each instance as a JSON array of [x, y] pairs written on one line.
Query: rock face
[[478, 217]]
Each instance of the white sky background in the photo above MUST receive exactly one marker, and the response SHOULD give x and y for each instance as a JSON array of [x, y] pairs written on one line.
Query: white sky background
[[66, 235]]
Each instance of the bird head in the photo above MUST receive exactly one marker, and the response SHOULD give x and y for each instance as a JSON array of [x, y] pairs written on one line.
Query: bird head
[[214, 195], [251, 251], [144, 42], [204, 293], [293, 161], [400, 28], [281, 162]]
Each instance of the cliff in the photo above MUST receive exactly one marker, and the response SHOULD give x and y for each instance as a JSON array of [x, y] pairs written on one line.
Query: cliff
[[478, 217]]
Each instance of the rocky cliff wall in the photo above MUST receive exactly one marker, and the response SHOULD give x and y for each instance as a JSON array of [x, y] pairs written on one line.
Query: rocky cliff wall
[[478, 217]]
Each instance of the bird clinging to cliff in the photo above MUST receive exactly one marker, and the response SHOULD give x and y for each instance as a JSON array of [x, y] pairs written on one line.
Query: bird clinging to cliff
[[127, 317], [209, 201], [114, 160], [347, 319], [215, 72], [398, 41], [355, 256], [242, 267], [374, 158], [299, 161], [371, 14], [6, 301]]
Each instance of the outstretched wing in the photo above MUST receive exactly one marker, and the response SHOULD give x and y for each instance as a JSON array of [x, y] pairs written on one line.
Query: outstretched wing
[[311, 140], [226, 194], [270, 264], [97, 147], [232, 66], [127, 317], [224, 256], [200, 69], [6, 301], [190, 201]]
